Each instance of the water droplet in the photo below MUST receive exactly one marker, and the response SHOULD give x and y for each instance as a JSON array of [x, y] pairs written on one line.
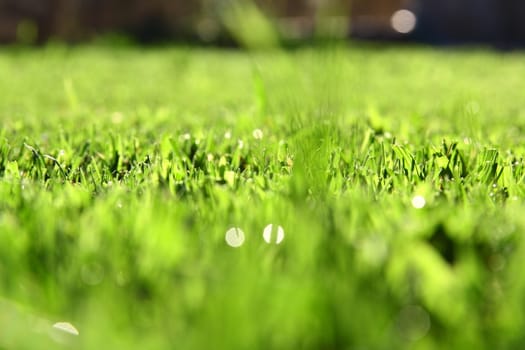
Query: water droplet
[[92, 273], [418, 202], [413, 322], [374, 250], [66, 327], [117, 118], [472, 107], [257, 134], [234, 237], [269, 237]]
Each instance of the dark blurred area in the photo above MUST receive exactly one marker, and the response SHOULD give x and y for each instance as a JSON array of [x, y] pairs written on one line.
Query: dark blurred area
[[499, 22], [152, 20]]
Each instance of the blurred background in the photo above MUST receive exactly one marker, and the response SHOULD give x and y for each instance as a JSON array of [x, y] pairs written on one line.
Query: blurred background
[[498, 22]]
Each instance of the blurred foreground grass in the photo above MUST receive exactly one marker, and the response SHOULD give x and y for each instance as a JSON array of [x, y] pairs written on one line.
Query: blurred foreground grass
[[396, 173]]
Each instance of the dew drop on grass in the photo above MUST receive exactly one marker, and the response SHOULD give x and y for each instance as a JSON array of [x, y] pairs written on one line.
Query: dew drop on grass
[[66, 327], [117, 117], [257, 134], [472, 107], [63, 332], [374, 250], [92, 273], [270, 237], [234, 237], [413, 323], [418, 202]]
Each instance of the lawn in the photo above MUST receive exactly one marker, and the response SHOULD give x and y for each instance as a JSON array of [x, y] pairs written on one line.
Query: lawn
[[396, 174]]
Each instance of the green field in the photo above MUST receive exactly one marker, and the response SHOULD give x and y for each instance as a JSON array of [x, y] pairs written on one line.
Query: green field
[[396, 173]]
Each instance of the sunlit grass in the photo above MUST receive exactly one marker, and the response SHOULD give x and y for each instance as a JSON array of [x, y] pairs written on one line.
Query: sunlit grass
[[329, 198]]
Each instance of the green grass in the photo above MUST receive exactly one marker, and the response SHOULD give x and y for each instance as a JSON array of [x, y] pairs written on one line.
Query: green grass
[[122, 169]]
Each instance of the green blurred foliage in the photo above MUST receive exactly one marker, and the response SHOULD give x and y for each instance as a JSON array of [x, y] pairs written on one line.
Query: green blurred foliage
[[121, 170]]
